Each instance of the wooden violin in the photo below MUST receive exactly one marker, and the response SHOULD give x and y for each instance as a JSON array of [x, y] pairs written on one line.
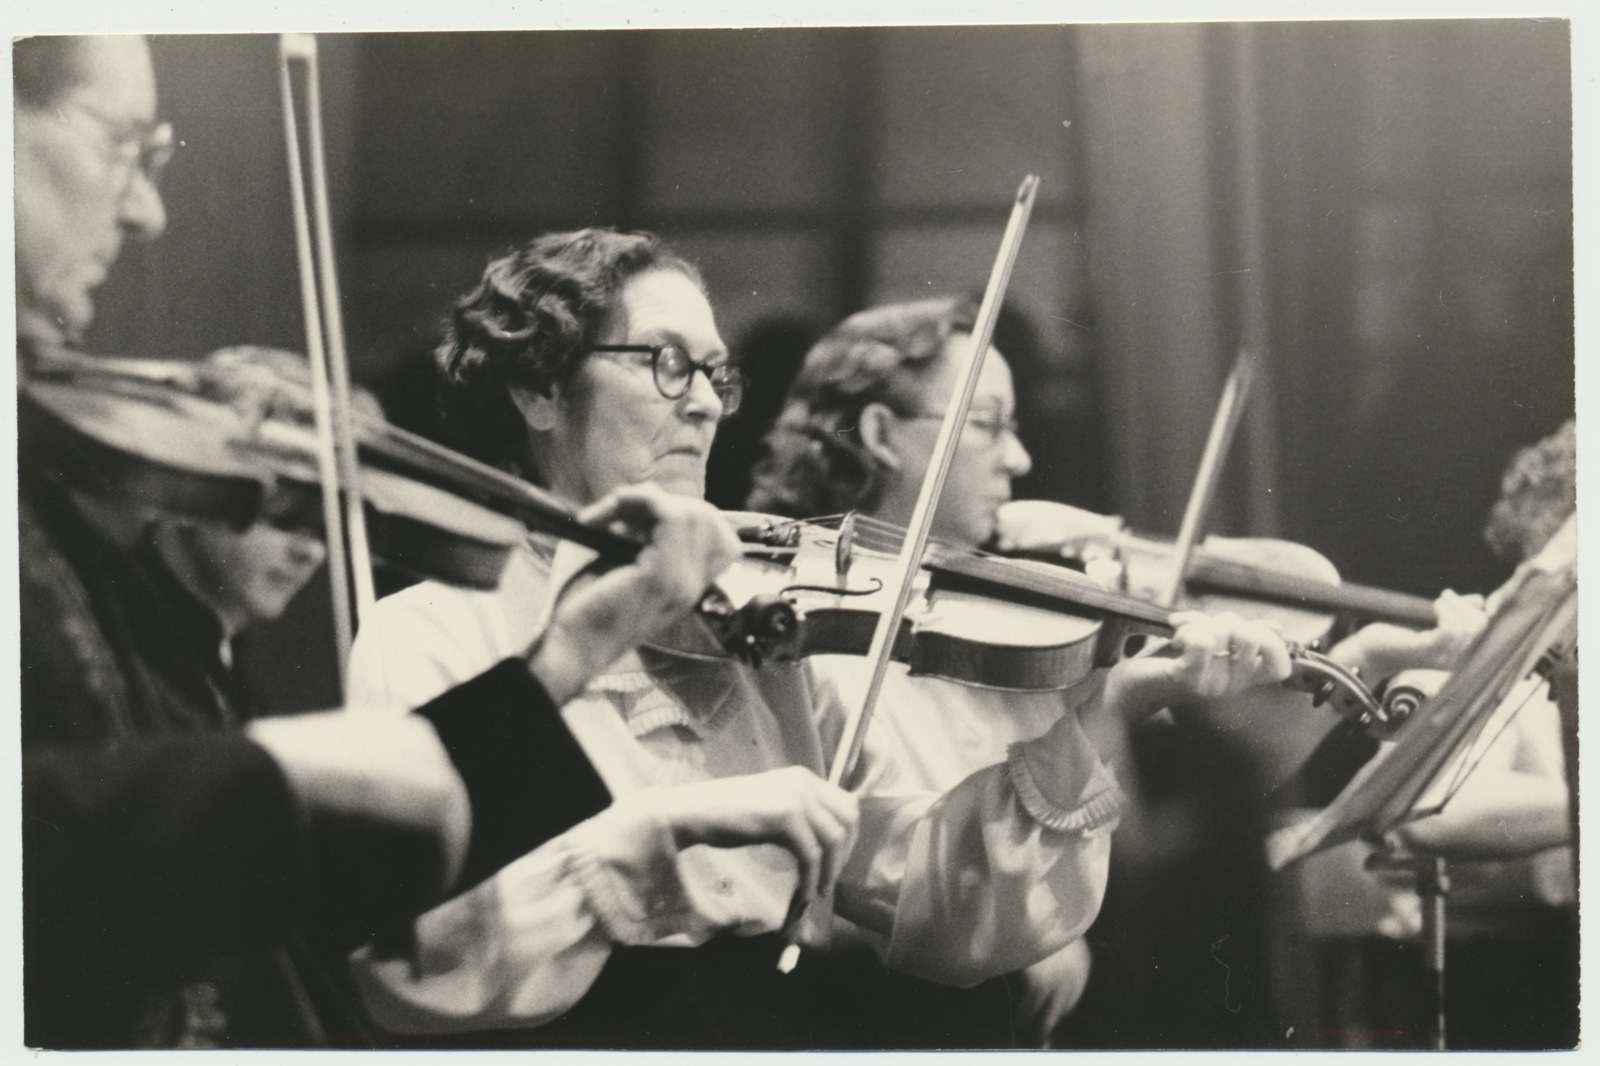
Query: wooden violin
[[1291, 586], [976, 619], [149, 434], [1259, 571], [234, 445]]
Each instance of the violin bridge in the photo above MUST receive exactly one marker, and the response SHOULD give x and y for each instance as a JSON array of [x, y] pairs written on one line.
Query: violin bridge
[[844, 546]]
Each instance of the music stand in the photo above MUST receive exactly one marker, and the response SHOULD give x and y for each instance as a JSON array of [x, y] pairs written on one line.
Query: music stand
[[1415, 776]]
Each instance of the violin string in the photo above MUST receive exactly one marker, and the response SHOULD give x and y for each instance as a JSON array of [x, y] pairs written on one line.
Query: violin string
[[872, 541], [876, 534], [886, 536], [1466, 771], [890, 535]]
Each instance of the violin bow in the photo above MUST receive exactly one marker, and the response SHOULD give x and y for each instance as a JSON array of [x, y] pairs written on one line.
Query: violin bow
[[330, 371], [1224, 426], [901, 580]]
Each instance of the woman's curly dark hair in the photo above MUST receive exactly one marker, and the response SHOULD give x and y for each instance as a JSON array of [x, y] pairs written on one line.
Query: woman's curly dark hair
[[1538, 491], [530, 322], [814, 462]]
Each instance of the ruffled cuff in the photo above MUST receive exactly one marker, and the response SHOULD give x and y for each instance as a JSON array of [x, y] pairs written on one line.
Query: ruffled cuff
[[626, 864], [1098, 809]]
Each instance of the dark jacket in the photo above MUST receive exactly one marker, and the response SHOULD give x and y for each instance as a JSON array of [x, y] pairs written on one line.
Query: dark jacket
[[113, 652], [175, 892]]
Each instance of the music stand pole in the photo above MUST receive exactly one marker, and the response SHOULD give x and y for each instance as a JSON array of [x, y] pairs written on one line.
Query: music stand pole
[[1433, 885]]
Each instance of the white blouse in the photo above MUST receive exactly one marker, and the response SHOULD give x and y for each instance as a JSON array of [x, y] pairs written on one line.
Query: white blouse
[[982, 879], [928, 734]]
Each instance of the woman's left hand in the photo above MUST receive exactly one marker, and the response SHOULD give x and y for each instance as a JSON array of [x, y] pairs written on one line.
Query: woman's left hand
[[599, 618], [1210, 656], [1380, 650]]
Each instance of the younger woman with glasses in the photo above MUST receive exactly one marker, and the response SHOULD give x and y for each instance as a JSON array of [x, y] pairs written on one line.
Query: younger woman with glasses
[[857, 434]]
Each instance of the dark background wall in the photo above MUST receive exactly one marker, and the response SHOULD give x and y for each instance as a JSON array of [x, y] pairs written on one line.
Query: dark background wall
[[1383, 210]]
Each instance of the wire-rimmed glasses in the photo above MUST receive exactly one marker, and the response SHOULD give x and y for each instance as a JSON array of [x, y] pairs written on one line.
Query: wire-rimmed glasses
[[147, 148]]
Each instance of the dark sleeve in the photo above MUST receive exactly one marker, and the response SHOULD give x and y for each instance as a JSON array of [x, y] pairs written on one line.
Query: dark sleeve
[[157, 853], [161, 851], [154, 854], [527, 778]]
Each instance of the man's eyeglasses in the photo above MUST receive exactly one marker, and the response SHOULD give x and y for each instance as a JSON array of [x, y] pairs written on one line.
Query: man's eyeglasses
[[673, 370], [147, 148], [993, 425]]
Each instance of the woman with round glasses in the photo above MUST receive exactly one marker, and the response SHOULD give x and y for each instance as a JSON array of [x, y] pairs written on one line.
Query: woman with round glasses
[[591, 360]]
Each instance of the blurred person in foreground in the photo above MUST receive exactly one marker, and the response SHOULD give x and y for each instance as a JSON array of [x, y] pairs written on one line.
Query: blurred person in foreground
[[156, 844]]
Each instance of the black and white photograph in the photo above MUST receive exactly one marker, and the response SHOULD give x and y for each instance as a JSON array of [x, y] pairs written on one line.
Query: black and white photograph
[[820, 531]]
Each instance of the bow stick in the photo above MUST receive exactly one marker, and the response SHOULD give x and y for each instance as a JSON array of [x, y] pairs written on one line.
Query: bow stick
[[1223, 426], [330, 371], [901, 581]]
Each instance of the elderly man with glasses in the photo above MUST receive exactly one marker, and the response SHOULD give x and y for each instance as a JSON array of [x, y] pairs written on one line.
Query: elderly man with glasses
[[87, 162]]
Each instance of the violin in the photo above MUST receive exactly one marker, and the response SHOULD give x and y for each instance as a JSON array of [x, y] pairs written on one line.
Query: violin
[[1254, 576], [234, 445], [976, 619], [1271, 573], [1280, 735], [153, 434], [1287, 584]]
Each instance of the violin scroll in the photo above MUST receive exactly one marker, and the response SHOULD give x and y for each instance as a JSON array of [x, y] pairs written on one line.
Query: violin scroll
[[1406, 692], [1343, 690]]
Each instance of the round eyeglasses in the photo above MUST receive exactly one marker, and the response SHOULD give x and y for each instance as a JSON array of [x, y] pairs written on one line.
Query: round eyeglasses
[[673, 369]]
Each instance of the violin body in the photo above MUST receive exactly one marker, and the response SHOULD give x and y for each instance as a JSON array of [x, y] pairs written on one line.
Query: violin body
[[154, 435], [962, 637], [976, 620], [171, 454]]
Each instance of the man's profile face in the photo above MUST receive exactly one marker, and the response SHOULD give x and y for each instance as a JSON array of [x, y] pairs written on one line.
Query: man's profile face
[[80, 190]]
